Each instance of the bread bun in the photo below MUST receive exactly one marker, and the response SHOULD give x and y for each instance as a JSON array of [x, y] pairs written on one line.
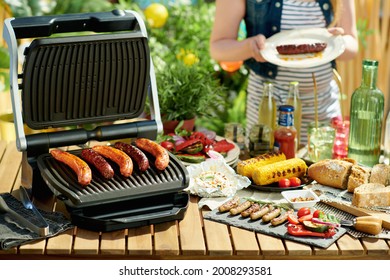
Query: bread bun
[[359, 175], [371, 194], [331, 172], [380, 174]]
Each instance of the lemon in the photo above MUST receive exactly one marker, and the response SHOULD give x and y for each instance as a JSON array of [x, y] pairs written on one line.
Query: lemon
[[156, 15]]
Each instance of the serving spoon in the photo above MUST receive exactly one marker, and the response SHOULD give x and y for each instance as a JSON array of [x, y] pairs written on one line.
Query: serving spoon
[[20, 219]]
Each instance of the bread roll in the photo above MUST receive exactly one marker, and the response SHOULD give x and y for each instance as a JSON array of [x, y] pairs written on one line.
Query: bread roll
[[359, 176], [331, 172], [380, 174], [371, 194]]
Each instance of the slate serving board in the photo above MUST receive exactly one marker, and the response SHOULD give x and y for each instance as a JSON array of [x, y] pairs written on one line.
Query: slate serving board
[[266, 228]]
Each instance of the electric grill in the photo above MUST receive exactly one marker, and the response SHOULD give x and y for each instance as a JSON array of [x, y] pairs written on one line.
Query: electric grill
[[99, 75]]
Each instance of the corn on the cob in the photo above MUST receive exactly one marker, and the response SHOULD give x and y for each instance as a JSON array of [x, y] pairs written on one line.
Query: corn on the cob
[[273, 172], [246, 167]]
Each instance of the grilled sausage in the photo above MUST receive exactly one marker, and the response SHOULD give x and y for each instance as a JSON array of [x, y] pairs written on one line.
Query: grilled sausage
[[254, 207], [159, 152], [270, 215], [135, 154], [80, 167], [281, 218], [95, 159], [229, 204], [263, 210], [121, 158], [238, 209], [301, 48]]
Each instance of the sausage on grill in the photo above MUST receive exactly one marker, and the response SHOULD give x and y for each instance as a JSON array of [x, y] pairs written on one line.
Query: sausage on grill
[[135, 154], [159, 152], [300, 48], [95, 159], [80, 167], [121, 158]]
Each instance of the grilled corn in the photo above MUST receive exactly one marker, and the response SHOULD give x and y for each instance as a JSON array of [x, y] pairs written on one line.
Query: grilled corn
[[246, 167], [273, 172]]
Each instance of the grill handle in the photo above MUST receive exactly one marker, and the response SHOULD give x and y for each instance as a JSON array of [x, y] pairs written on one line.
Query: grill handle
[[43, 26], [40, 143]]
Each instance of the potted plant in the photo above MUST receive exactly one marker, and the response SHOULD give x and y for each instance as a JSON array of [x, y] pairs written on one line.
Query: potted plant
[[185, 93]]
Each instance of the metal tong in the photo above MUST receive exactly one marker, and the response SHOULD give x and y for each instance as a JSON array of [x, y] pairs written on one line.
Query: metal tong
[[42, 231]]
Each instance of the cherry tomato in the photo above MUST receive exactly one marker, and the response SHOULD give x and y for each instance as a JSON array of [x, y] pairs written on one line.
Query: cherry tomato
[[284, 183], [317, 213], [168, 145], [303, 211], [295, 182], [292, 219], [305, 218]]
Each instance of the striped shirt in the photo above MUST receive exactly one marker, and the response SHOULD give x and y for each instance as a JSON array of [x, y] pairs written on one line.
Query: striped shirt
[[295, 15]]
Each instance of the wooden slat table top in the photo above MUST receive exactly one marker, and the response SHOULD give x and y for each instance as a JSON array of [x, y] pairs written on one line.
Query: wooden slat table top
[[190, 238]]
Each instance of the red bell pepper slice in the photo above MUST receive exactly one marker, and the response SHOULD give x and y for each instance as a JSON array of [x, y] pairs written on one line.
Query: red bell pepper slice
[[223, 146], [299, 230]]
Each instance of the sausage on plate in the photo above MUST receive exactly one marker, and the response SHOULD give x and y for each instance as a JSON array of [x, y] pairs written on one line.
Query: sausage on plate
[[241, 207], [300, 48], [229, 204]]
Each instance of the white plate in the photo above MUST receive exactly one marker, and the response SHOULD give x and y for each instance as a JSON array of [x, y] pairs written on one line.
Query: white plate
[[335, 47], [231, 157]]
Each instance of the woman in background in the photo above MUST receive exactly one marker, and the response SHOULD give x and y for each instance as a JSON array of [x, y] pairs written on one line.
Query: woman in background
[[264, 18]]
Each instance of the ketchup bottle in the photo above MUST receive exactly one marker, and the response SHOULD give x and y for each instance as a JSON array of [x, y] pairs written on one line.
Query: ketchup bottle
[[286, 134]]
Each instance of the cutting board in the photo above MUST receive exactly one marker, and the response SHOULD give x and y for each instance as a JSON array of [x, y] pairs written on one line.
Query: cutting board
[[266, 228]]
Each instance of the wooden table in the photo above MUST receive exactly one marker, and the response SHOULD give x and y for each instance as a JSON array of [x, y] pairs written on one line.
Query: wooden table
[[190, 238]]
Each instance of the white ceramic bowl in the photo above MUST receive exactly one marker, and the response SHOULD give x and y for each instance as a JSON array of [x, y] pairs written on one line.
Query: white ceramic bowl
[[304, 194]]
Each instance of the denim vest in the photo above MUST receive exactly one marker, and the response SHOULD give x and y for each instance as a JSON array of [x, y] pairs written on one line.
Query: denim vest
[[264, 17]]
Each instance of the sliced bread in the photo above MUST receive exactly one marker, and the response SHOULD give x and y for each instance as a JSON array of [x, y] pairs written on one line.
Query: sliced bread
[[331, 172], [380, 174], [359, 176], [371, 194]]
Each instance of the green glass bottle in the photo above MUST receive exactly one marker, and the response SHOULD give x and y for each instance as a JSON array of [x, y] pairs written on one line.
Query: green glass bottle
[[367, 109]]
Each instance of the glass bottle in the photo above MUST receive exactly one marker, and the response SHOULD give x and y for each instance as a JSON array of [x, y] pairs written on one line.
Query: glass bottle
[[286, 135], [367, 108], [294, 100], [267, 111]]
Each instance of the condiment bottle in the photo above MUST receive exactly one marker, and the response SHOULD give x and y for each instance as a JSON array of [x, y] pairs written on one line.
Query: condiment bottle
[[286, 135], [294, 100], [367, 108], [267, 111]]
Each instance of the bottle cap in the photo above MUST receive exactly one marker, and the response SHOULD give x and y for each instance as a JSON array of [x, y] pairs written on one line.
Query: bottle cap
[[286, 108]]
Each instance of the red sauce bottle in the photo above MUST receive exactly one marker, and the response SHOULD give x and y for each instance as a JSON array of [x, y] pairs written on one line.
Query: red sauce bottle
[[286, 134]]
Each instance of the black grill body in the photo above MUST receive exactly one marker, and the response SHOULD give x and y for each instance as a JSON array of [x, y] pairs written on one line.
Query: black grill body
[[99, 76]]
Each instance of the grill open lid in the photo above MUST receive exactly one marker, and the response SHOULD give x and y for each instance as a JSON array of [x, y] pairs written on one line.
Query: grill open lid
[[102, 74]]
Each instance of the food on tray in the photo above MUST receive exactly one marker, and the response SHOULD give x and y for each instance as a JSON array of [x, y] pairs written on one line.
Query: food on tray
[[253, 208], [261, 212], [371, 194], [292, 49], [282, 218], [300, 199], [95, 159], [246, 167], [229, 204], [120, 158], [156, 150], [359, 175], [135, 154], [241, 207], [271, 214], [331, 172], [79, 166], [272, 173], [380, 174]]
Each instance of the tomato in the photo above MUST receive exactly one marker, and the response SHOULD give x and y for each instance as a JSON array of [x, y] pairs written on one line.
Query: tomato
[[295, 182], [292, 219], [305, 218], [303, 211], [317, 213], [168, 145], [284, 183]]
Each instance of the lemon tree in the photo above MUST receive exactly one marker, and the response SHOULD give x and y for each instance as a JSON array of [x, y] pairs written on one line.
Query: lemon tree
[[156, 15]]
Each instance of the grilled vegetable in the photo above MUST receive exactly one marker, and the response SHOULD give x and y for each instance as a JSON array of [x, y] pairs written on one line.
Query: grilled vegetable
[[246, 167], [191, 158], [271, 173], [315, 227]]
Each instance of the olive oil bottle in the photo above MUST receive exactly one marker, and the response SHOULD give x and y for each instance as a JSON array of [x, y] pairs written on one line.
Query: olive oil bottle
[[294, 100], [267, 111], [367, 109]]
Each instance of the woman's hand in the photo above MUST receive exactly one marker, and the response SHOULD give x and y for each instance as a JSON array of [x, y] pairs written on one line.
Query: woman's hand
[[256, 44], [336, 30]]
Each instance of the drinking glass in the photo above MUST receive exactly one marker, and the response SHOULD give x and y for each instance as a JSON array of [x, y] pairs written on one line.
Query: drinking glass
[[320, 141], [340, 147]]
